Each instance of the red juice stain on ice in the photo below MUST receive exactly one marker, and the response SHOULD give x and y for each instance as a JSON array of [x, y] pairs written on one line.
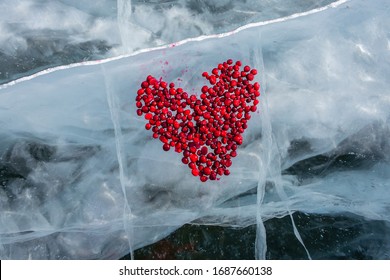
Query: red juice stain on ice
[[207, 130]]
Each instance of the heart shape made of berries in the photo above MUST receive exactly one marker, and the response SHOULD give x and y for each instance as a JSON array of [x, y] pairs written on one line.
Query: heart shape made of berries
[[207, 131]]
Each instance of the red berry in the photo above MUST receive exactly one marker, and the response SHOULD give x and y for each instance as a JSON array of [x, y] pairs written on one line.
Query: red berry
[[250, 77], [195, 172], [193, 157], [166, 147], [207, 171], [238, 139], [236, 103], [193, 126]]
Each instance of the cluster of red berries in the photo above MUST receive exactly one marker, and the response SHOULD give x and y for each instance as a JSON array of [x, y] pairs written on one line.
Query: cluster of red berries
[[207, 130]]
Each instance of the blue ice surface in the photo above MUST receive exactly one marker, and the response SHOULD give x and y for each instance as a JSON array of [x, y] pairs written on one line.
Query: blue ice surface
[[82, 179]]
